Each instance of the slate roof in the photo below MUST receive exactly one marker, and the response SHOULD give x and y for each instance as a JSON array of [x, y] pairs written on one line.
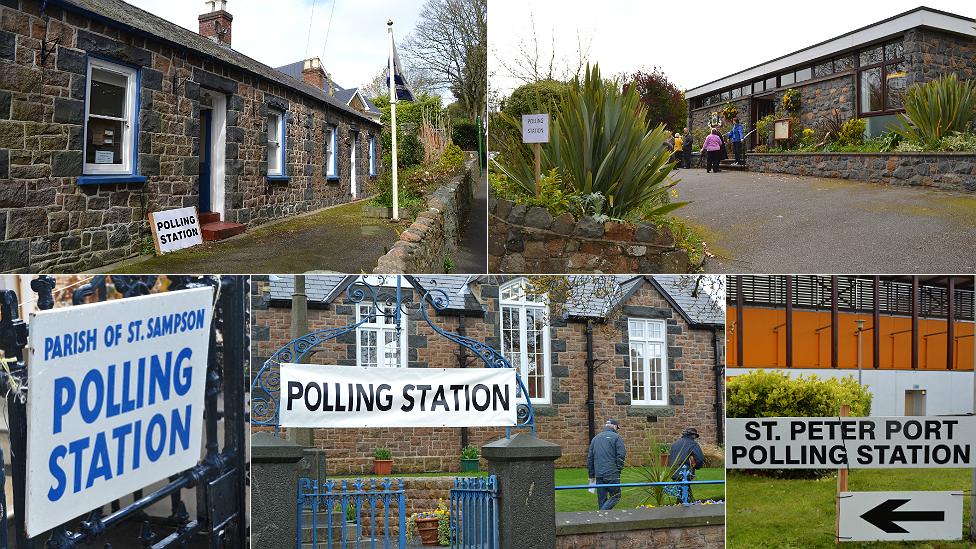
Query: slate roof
[[701, 309], [344, 95], [323, 289], [121, 14]]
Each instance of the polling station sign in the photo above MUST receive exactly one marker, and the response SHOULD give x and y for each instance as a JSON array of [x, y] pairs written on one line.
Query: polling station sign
[[846, 442], [175, 229], [900, 516], [354, 397], [115, 401]]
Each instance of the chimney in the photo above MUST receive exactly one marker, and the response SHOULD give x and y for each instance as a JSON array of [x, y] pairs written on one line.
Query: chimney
[[215, 24], [313, 73]]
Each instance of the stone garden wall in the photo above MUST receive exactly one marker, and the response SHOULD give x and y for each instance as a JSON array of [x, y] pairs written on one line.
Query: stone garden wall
[[531, 240], [671, 527], [436, 233], [951, 171]]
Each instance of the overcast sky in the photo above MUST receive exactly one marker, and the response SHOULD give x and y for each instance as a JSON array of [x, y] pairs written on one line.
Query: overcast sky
[[692, 42], [275, 32]]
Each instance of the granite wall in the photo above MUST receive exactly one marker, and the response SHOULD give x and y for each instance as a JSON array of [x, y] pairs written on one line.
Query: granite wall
[[671, 527]]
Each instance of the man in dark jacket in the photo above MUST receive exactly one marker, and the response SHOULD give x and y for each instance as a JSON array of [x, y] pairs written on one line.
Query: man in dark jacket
[[686, 148], [605, 461], [686, 451]]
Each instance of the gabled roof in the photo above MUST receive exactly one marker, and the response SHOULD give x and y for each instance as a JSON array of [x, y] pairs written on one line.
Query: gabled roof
[[322, 290], [344, 95], [120, 14]]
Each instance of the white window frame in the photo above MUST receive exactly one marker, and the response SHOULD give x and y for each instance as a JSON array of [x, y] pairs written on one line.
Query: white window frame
[[332, 171], [279, 141], [645, 341], [372, 155], [381, 325], [520, 305], [128, 121]]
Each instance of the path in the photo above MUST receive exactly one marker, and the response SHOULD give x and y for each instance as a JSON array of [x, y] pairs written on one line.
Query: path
[[336, 239], [473, 255], [774, 223]]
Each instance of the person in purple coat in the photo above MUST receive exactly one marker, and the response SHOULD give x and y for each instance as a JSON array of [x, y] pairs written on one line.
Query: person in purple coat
[[713, 148]]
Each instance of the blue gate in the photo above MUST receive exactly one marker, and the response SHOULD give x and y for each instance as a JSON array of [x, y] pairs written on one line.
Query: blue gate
[[474, 513], [360, 498]]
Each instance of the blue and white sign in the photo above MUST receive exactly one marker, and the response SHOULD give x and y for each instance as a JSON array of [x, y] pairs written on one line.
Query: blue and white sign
[[115, 401]]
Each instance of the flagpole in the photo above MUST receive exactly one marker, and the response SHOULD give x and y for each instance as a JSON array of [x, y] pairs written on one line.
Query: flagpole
[[393, 126]]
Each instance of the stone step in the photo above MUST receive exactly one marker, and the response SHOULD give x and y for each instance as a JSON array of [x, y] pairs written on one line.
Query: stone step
[[731, 165], [221, 230], [209, 217]]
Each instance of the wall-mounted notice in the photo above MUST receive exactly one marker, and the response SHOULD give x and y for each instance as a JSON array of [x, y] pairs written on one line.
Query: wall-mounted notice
[[115, 401], [348, 396], [844, 442], [175, 229]]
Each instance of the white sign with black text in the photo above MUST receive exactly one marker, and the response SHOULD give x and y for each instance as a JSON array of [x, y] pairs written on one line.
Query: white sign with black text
[[848, 442], [900, 516], [352, 397], [535, 128], [116, 400], [175, 229]]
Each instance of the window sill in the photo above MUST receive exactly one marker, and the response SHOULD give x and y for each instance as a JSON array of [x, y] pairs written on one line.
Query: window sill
[[110, 179], [278, 179], [659, 410]]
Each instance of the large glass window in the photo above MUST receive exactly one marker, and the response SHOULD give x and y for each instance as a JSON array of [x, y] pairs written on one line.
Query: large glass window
[[882, 78], [823, 69], [844, 63], [804, 74], [786, 79], [757, 86], [872, 56], [378, 344], [736, 93], [771, 83], [871, 90], [110, 107], [276, 140], [895, 80], [648, 361], [525, 336]]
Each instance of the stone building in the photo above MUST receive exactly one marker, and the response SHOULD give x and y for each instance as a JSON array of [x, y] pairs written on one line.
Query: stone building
[[593, 343], [862, 73], [108, 112]]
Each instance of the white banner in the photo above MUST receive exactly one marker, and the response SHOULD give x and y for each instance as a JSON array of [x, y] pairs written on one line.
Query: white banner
[[115, 401], [849, 442], [900, 516], [353, 397], [175, 229]]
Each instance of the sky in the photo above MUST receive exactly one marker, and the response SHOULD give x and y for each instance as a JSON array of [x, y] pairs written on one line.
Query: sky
[[276, 32], [692, 42]]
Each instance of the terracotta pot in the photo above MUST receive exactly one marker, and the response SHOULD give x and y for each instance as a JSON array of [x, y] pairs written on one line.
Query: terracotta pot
[[427, 527], [664, 460], [382, 466]]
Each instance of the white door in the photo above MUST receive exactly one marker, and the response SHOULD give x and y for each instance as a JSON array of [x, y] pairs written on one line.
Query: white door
[[352, 166], [218, 143]]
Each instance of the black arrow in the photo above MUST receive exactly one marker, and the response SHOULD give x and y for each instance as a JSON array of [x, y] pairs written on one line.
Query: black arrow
[[883, 516]]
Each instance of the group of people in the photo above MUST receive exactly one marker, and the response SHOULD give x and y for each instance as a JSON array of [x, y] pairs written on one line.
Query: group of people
[[605, 460], [713, 148]]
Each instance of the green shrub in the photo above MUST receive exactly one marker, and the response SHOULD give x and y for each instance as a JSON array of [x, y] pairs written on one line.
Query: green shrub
[[770, 393], [599, 144], [791, 100], [469, 452], [452, 158], [958, 141], [410, 151], [852, 132], [553, 195], [936, 109], [382, 453], [465, 135], [536, 97]]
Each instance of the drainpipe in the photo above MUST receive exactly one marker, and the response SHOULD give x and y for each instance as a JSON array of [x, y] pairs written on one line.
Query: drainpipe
[[719, 397], [462, 363], [590, 383]]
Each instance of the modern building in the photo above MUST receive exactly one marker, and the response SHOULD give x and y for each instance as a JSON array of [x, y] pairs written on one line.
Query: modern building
[[108, 112], [891, 332], [647, 351], [862, 73]]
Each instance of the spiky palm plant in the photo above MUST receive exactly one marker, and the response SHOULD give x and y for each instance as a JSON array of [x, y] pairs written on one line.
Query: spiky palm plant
[[937, 109], [599, 143]]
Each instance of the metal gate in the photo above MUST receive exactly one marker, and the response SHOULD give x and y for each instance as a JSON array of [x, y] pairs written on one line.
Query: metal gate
[[218, 480], [345, 506], [474, 513]]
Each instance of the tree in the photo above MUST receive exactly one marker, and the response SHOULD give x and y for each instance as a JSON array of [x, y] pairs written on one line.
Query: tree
[[531, 64], [420, 79], [665, 103], [451, 39]]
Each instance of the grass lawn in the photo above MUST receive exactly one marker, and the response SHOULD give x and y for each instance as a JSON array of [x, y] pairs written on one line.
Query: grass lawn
[[799, 514], [583, 500]]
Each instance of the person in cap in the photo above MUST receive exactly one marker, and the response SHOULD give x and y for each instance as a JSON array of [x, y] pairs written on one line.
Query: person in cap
[[686, 451], [605, 462]]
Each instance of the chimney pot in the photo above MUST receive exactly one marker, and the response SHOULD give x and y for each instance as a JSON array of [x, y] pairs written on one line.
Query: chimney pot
[[313, 73], [216, 23]]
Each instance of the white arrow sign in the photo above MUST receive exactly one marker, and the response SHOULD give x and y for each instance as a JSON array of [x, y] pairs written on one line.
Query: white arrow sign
[[900, 516]]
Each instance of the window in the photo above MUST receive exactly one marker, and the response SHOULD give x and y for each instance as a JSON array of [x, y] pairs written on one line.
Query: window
[[648, 361], [871, 90], [757, 86], [895, 81], [736, 93], [771, 83], [378, 345], [110, 119], [844, 63], [804, 74], [331, 157], [746, 90], [882, 79], [276, 143], [786, 79], [525, 337], [372, 155], [823, 69]]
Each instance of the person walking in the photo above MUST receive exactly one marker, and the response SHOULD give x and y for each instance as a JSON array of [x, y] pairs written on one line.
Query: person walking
[[738, 147], [686, 452], [686, 150], [605, 462], [713, 148]]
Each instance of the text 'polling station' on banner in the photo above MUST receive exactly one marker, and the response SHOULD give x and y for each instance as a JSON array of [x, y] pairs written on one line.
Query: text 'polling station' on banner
[[115, 400], [843, 442], [348, 396]]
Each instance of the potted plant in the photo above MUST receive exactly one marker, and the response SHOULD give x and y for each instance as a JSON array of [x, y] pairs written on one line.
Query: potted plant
[[382, 461], [427, 524], [469, 459], [664, 453], [729, 111], [791, 100]]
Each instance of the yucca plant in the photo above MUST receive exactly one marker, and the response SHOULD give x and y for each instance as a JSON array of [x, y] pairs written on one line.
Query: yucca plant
[[599, 143], [936, 109]]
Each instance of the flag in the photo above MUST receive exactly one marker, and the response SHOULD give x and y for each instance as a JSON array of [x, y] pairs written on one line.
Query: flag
[[403, 92]]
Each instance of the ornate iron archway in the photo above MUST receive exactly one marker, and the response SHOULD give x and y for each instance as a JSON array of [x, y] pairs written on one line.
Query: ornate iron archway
[[265, 386]]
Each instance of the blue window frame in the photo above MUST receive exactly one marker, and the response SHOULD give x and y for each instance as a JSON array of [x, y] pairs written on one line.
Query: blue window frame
[[276, 153], [372, 155], [332, 153], [111, 125]]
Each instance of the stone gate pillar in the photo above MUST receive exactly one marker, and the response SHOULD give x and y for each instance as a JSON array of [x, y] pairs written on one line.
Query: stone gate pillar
[[526, 499], [274, 491]]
